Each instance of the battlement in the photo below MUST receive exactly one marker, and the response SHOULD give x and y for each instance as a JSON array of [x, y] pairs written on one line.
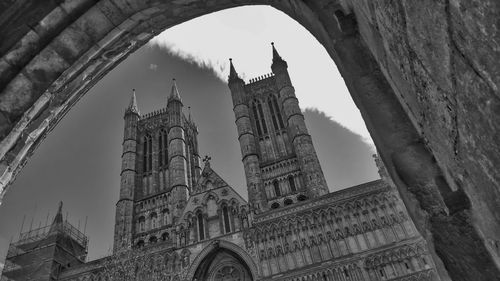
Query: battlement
[[153, 113], [260, 78]]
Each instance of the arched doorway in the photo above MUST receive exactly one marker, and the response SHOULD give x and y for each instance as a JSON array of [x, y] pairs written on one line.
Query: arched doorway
[[223, 265], [223, 261]]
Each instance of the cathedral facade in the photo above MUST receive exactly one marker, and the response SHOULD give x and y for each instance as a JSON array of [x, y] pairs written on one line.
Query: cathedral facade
[[177, 219]]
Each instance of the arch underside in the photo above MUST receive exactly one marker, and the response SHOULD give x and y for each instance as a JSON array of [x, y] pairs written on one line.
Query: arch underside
[[430, 109], [221, 258], [223, 265]]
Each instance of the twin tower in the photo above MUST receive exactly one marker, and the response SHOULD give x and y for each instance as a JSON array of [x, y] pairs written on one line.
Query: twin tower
[[161, 161], [281, 165]]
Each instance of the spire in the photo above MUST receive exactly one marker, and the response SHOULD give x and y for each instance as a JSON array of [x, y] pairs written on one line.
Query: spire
[[174, 93], [277, 59], [276, 56], [58, 219], [132, 107], [233, 75]]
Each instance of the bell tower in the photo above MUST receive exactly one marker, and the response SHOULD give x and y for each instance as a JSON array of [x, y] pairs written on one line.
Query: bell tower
[[160, 166], [281, 165]]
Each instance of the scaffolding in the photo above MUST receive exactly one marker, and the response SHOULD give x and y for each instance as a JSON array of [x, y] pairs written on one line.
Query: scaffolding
[[39, 234], [36, 240]]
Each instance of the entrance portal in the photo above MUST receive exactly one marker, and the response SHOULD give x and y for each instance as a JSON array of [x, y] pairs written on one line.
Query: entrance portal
[[223, 265]]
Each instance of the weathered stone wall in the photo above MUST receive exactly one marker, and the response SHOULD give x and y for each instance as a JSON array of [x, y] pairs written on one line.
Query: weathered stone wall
[[440, 59], [424, 75]]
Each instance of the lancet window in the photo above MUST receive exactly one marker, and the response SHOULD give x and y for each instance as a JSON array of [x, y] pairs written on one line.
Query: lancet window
[[260, 122], [147, 153], [225, 215], [163, 149], [275, 113], [201, 226], [291, 182], [277, 190]]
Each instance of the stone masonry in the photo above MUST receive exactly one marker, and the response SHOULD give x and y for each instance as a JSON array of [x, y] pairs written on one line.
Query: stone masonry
[[424, 75]]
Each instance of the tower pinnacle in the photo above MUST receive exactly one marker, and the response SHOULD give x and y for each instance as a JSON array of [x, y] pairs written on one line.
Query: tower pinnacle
[[174, 93], [233, 75], [277, 59], [276, 55], [132, 107], [58, 219]]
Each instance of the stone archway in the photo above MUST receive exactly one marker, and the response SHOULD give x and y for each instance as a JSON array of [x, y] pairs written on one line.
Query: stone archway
[[223, 261], [424, 75]]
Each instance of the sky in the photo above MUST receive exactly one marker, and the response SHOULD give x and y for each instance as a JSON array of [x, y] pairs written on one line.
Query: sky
[[79, 161]]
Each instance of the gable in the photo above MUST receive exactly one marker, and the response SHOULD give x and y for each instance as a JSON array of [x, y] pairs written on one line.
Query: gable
[[210, 190], [209, 180]]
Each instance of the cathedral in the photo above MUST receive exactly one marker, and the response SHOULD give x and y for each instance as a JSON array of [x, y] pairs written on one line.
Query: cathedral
[[177, 219]]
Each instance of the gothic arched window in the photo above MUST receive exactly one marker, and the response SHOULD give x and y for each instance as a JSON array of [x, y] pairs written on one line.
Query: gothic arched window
[[145, 154], [160, 152], [278, 112], [165, 214], [153, 220], [291, 182], [162, 163], [164, 236], [201, 228], [277, 190], [162, 147], [257, 121], [263, 119], [142, 224], [225, 215], [147, 164], [273, 116], [165, 147]]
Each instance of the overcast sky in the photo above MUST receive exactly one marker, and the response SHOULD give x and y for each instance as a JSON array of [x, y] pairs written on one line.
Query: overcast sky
[[79, 162]]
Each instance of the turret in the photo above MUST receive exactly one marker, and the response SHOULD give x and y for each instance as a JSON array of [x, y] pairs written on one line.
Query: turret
[[278, 63], [177, 152], [314, 179], [124, 206], [236, 85], [250, 158]]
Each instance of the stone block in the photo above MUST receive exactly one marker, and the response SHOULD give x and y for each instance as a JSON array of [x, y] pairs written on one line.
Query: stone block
[[475, 31], [71, 44], [130, 7], [24, 50], [429, 38], [6, 72], [51, 22], [74, 5], [94, 23], [17, 97], [5, 125], [112, 12], [44, 69]]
